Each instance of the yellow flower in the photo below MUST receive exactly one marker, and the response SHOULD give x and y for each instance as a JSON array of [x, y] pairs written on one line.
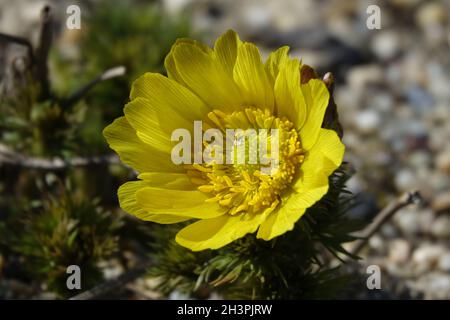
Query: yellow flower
[[225, 87]]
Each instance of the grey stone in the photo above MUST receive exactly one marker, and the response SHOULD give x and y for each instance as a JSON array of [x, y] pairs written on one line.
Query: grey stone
[[386, 44], [399, 251], [368, 121], [426, 256], [444, 262], [441, 227]]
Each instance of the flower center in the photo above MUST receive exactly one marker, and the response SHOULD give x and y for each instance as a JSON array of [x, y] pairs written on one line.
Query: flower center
[[251, 186]]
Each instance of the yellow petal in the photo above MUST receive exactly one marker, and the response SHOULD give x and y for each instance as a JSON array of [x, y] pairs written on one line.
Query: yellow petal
[[132, 151], [289, 97], [144, 119], [329, 145], [275, 60], [178, 202], [310, 196], [171, 68], [166, 95], [169, 62], [176, 181], [320, 162], [217, 232], [206, 77], [225, 50], [156, 99], [249, 73], [316, 96], [127, 200], [280, 221]]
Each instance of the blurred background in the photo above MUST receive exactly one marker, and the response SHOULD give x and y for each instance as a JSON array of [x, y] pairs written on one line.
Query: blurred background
[[392, 89]]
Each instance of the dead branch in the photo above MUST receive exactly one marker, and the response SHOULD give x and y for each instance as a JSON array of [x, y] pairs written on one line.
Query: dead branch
[[412, 197], [108, 74], [21, 41], [39, 61], [13, 158], [41, 54], [114, 284]]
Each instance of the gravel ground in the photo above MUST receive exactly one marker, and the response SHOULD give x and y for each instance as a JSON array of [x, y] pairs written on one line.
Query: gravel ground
[[393, 96]]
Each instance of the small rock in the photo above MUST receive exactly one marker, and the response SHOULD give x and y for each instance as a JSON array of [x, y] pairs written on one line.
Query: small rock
[[439, 181], [368, 121], [426, 219], [352, 140], [419, 98], [383, 101], [440, 112], [376, 243], [256, 17], [405, 179], [430, 14], [441, 227], [438, 82], [389, 231], [361, 76], [386, 45], [420, 159], [444, 262], [398, 143], [435, 285], [355, 184], [399, 251], [405, 4], [175, 6], [404, 113], [178, 295], [443, 161], [416, 129], [349, 100], [408, 221], [441, 202], [437, 140], [426, 256], [412, 68]]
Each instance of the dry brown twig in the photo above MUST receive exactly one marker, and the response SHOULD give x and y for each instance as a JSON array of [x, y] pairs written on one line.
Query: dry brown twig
[[19, 40], [38, 59], [38, 62], [411, 197], [13, 158], [108, 74], [40, 68]]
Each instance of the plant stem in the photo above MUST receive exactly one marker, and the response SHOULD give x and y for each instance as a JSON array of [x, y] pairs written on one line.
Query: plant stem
[[411, 197]]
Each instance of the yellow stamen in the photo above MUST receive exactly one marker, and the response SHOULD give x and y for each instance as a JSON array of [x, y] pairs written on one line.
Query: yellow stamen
[[243, 188]]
